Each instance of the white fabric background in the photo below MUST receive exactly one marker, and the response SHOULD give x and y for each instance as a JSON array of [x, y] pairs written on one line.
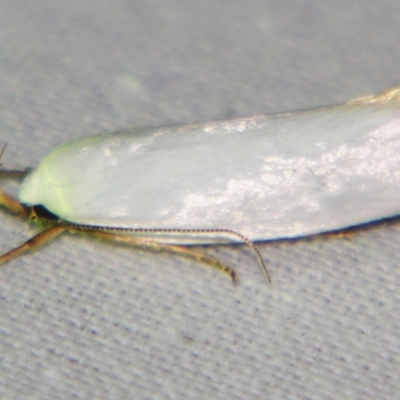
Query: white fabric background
[[81, 319]]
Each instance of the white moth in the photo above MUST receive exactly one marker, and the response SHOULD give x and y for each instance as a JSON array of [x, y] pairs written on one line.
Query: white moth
[[246, 179]]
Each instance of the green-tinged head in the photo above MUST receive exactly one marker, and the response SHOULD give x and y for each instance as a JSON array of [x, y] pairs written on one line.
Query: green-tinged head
[[40, 188]]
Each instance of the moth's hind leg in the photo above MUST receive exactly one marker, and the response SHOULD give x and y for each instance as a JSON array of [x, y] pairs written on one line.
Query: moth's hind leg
[[158, 247]]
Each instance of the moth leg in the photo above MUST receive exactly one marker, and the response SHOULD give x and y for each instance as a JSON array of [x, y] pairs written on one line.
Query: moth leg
[[39, 240], [12, 174], [12, 205], [178, 250]]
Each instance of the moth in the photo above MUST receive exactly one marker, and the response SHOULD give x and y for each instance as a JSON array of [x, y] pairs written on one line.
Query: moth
[[243, 180]]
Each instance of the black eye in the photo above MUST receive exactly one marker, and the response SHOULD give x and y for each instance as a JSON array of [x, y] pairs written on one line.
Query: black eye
[[43, 212]]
